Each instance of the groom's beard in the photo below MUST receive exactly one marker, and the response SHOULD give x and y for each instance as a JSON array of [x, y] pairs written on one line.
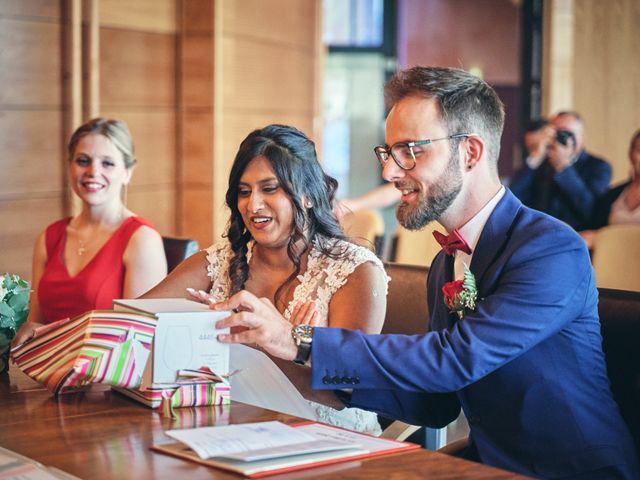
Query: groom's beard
[[430, 206]]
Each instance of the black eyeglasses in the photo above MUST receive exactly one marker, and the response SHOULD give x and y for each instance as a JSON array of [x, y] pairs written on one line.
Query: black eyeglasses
[[404, 153]]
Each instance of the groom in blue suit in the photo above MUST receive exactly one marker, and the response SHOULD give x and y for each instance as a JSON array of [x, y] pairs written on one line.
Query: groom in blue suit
[[514, 336]]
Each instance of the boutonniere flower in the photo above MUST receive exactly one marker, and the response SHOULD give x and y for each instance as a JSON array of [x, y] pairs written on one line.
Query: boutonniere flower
[[461, 295]]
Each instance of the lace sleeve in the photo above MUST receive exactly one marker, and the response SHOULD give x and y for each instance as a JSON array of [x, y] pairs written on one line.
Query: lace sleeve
[[218, 256], [325, 275], [338, 271]]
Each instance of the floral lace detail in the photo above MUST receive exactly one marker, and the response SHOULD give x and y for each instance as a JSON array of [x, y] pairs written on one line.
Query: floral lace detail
[[219, 257], [349, 418], [325, 275]]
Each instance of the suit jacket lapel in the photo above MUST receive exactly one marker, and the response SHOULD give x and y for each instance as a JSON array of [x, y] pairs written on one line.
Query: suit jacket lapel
[[495, 234], [438, 312]]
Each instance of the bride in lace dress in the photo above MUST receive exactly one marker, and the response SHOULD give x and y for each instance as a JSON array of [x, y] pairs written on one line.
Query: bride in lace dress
[[284, 244]]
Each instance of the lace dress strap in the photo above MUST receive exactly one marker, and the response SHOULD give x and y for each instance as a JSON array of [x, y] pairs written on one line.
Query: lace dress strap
[[219, 257], [325, 274]]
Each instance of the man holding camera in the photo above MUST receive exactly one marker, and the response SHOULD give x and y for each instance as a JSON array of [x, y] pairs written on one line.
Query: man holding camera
[[559, 176]]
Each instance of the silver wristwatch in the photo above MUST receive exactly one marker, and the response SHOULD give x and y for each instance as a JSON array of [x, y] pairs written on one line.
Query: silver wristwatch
[[303, 336]]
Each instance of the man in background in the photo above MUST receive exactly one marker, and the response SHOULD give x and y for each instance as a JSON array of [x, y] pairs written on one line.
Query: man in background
[[559, 176]]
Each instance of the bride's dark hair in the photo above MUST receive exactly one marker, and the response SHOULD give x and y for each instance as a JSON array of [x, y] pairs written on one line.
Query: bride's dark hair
[[292, 156]]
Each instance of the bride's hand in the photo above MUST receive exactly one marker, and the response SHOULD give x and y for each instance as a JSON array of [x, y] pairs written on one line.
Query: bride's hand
[[200, 296], [203, 297], [305, 313]]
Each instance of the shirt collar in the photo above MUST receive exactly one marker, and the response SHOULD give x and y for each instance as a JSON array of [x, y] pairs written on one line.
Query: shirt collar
[[471, 230]]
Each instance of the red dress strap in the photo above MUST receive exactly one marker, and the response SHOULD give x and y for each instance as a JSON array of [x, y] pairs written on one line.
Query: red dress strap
[[54, 234], [96, 285]]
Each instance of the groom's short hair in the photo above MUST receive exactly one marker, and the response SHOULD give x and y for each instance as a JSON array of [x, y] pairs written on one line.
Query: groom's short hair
[[467, 103]]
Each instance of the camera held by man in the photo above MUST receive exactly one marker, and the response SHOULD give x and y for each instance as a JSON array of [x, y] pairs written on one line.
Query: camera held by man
[[563, 137], [559, 176], [562, 152]]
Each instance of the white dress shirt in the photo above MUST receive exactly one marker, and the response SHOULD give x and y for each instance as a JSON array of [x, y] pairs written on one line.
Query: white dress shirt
[[471, 231]]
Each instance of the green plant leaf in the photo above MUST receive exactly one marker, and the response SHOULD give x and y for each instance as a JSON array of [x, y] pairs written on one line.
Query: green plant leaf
[[6, 310], [20, 318], [19, 301]]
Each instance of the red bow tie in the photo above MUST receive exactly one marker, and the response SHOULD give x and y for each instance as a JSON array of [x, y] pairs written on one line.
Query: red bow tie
[[452, 242]]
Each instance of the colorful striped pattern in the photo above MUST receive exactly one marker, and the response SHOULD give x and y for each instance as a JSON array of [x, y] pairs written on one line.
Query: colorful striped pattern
[[188, 395], [100, 346], [197, 376]]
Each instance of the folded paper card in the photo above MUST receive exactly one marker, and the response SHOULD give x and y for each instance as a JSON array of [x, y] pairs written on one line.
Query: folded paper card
[[268, 448], [185, 337], [140, 344]]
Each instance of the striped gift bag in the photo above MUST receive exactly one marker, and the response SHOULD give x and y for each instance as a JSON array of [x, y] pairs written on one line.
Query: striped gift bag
[[100, 346], [186, 395], [193, 388]]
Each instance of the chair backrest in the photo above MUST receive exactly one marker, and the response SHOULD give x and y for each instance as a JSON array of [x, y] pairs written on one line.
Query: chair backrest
[[407, 311], [415, 248], [178, 249], [365, 227], [616, 257], [620, 323]]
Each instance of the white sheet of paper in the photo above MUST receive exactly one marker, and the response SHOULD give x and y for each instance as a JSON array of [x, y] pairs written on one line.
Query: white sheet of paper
[[228, 439], [261, 383]]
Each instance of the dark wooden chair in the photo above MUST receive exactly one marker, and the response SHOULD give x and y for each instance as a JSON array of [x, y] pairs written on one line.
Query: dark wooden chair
[[620, 325], [407, 311], [178, 249]]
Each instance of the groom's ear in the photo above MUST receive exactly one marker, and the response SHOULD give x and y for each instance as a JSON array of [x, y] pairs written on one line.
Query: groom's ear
[[473, 150]]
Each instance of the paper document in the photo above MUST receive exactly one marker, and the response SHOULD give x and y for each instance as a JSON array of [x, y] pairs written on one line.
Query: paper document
[[261, 383], [253, 441], [262, 456]]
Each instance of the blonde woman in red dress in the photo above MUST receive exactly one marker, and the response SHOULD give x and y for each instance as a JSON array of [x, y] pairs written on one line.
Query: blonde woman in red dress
[[106, 251]]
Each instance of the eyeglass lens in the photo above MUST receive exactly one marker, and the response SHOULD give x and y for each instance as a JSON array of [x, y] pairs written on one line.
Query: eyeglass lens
[[403, 154]]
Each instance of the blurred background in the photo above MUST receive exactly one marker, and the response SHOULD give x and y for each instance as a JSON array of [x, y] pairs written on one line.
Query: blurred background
[[193, 77]]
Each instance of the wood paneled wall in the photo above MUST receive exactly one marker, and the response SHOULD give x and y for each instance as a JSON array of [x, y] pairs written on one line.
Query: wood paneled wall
[[196, 118], [596, 72], [31, 127], [138, 84]]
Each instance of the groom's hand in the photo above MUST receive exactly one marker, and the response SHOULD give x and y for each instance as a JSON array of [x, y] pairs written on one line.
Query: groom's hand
[[265, 326]]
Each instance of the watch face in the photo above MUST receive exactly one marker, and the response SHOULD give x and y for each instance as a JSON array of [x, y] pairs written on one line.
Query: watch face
[[303, 333]]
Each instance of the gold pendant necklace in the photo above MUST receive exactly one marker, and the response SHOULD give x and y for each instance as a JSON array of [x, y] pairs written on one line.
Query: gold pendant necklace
[[82, 244], [81, 248]]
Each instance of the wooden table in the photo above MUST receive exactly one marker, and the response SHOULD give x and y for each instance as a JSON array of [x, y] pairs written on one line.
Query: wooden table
[[99, 434]]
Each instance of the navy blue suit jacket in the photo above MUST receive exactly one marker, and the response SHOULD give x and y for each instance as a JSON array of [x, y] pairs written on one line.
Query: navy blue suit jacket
[[569, 195], [526, 366]]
